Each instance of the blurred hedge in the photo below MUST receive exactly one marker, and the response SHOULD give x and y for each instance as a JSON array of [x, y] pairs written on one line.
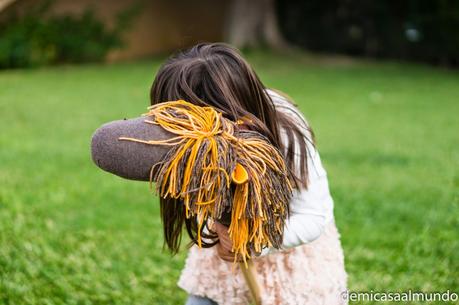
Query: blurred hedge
[[420, 30], [37, 38]]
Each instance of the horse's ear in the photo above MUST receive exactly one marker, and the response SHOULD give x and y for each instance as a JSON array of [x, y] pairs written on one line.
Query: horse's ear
[[128, 159]]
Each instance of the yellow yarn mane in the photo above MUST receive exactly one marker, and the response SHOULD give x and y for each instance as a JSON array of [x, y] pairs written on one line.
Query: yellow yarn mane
[[216, 168]]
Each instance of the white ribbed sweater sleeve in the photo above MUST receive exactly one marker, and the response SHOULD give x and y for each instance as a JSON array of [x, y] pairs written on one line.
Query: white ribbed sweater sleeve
[[312, 209]]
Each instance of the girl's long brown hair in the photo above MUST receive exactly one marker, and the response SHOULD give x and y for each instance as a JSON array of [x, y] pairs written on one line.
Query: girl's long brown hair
[[215, 74]]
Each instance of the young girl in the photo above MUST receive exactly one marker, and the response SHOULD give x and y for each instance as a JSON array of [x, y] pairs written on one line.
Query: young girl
[[310, 267]]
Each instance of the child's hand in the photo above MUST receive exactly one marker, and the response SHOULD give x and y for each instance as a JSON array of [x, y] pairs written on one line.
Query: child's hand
[[225, 245]]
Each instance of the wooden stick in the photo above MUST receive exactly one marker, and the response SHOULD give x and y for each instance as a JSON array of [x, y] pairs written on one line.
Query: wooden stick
[[250, 276]]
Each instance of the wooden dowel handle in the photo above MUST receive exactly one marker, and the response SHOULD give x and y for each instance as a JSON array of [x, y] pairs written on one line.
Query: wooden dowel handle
[[250, 276]]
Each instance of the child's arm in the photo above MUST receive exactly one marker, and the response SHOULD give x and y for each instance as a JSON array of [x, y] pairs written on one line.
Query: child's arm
[[311, 209], [128, 159]]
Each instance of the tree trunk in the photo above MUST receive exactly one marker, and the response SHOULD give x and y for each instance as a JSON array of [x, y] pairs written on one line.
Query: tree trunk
[[5, 3], [252, 23]]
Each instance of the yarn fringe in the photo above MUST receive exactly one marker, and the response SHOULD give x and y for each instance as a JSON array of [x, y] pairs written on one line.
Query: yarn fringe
[[218, 169]]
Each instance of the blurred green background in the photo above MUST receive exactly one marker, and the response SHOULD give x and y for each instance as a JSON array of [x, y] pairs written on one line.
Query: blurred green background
[[72, 234], [387, 131]]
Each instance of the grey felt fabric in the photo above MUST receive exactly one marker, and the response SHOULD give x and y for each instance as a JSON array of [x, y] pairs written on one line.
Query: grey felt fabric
[[128, 159]]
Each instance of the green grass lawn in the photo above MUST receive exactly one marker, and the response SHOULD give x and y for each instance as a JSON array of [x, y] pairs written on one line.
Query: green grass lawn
[[388, 134]]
